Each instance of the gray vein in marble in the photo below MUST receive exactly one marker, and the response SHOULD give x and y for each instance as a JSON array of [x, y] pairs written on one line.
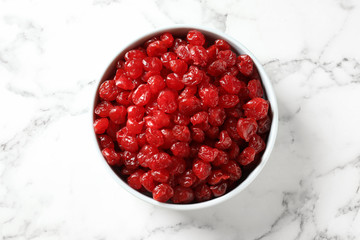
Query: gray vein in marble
[[29, 31]]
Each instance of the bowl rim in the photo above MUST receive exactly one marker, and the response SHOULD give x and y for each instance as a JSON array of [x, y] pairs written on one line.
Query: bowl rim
[[240, 48]]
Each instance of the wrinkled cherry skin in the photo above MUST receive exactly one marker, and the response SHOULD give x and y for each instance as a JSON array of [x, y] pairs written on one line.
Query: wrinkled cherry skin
[[256, 108], [163, 192], [108, 90], [183, 195], [203, 193], [167, 101], [103, 109], [111, 156], [141, 95], [187, 179], [105, 141], [156, 49], [255, 89], [219, 190], [195, 38], [134, 179], [167, 39], [201, 169], [100, 125], [182, 117], [247, 156], [246, 127], [147, 181], [245, 65]]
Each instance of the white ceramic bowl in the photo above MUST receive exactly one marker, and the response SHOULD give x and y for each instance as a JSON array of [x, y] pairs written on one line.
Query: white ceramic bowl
[[239, 48]]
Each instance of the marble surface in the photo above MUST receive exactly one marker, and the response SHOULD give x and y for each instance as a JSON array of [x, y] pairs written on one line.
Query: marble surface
[[52, 54]]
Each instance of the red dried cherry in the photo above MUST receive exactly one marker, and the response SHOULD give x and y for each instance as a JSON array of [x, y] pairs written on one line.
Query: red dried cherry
[[255, 89], [225, 140], [169, 139], [147, 181], [154, 137], [256, 108], [118, 114], [216, 177], [103, 108], [245, 65], [134, 179], [199, 56], [111, 156], [257, 143], [174, 81], [160, 161], [233, 170], [183, 52], [158, 119], [189, 106], [145, 153], [163, 192], [217, 68], [247, 156], [221, 158], [197, 135], [100, 125], [201, 169], [134, 54], [177, 166], [228, 56], [161, 175], [141, 95], [134, 68], [156, 83], [167, 101], [108, 90], [199, 118], [178, 66], [187, 179], [228, 100], [167, 39], [129, 143], [136, 112], [130, 160], [181, 133], [193, 77], [246, 127], [207, 153], [219, 190], [134, 127], [202, 193], [152, 64], [222, 44], [124, 98], [180, 149], [217, 116], [264, 125], [209, 95], [183, 195], [231, 84], [105, 141], [156, 49], [125, 82], [166, 58], [195, 37]]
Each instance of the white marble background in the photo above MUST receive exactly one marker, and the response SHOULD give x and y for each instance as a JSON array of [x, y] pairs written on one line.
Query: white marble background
[[53, 187]]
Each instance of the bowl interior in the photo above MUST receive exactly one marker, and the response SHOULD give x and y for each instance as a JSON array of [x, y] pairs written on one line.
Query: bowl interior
[[269, 92]]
